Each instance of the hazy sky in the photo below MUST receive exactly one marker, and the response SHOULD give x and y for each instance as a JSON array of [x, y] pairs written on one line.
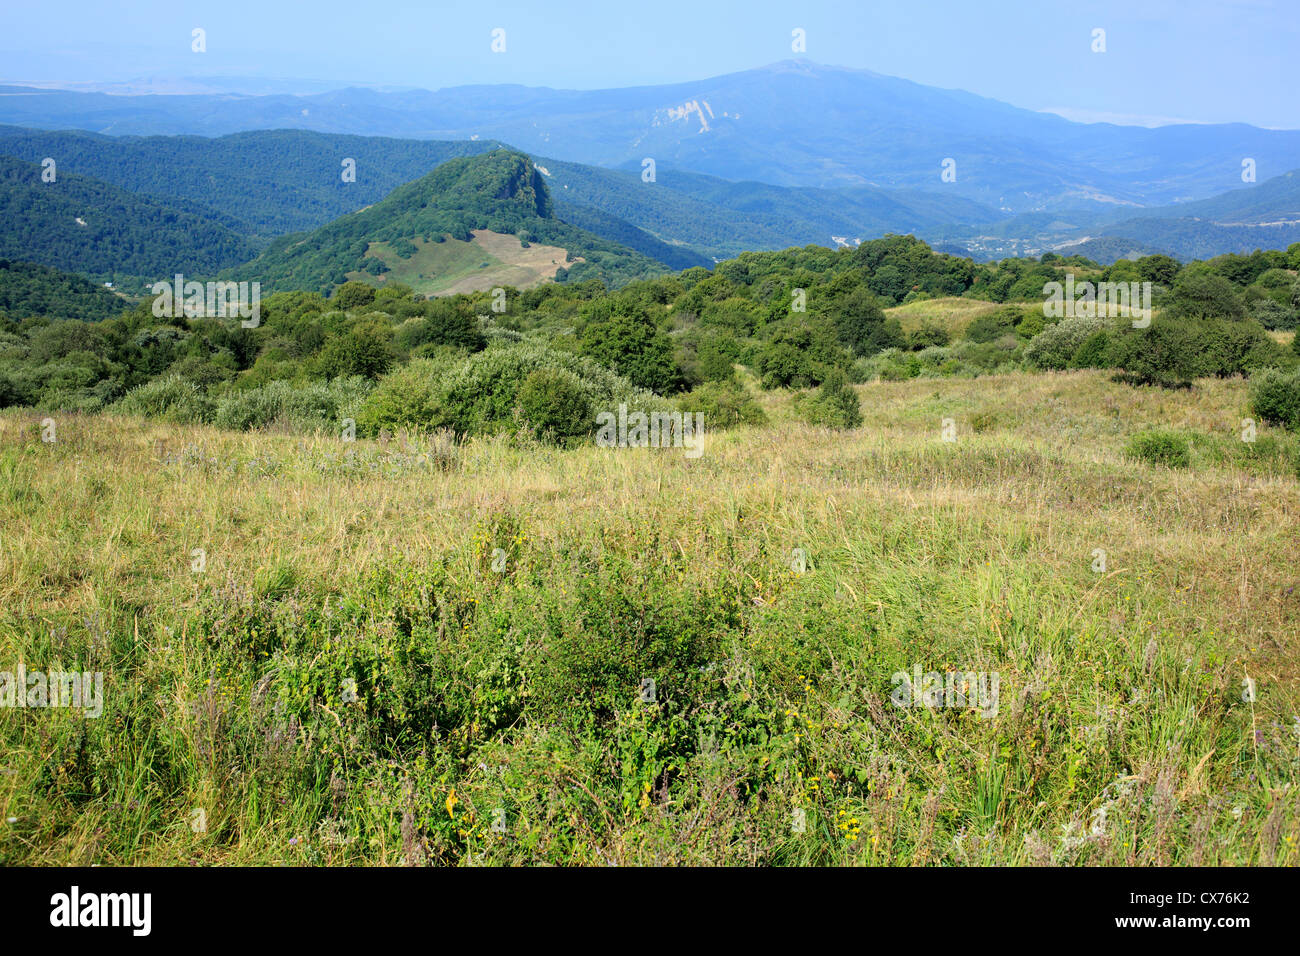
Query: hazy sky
[[1201, 60]]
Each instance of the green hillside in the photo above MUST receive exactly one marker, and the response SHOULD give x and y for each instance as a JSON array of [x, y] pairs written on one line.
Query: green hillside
[[83, 225], [501, 192], [266, 183], [27, 290]]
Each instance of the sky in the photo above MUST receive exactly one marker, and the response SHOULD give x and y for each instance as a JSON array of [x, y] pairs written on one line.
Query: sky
[[1164, 60]]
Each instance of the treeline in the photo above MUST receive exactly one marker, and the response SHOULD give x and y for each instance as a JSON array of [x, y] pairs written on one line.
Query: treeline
[[546, 359]]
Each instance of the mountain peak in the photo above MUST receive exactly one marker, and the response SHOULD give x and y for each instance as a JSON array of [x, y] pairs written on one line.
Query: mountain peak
[[806, 67], [500, 182], [473, 222]]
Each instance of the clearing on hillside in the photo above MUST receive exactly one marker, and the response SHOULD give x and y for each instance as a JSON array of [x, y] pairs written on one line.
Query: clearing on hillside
[[489, 260], [951, 313]]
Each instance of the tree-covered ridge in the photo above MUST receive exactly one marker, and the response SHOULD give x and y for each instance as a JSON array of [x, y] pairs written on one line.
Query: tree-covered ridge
[[27, 289], [267, 182], [723, 218], [79, 224], [500, 191], [600, 222]]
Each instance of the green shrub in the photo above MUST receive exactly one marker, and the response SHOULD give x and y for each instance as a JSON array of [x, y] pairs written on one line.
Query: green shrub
[[1030, 324], [1055, 346], [1173, 352], [351, 295], [1275, 397], [1272, 315], [717, 359], [1160, 447], [405, 398], [784, 366], [362, 351], [480, 393], [891, 365], [723, 404], [635, 348], [835, 405], [307, 406], [801, 352], [555, 401], [170, 398], [927, 336], [1094, 352], [858, 320], [988, 328], [1200, 294]]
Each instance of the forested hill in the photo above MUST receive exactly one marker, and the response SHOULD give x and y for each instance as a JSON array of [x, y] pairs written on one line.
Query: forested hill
[[501, 192], [272, 182], [80, 224], [27, 289], [269, 182]]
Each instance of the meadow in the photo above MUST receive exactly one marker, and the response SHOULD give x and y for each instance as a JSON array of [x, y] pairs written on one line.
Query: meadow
[[419, 650]]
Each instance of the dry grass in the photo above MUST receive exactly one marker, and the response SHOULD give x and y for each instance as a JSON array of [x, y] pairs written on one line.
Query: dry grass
[[976, 554], [951, 313]]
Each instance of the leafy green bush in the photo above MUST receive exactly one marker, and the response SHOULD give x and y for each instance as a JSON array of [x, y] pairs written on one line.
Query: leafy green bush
[[1172, 352], [362, 351], [988, 328], [350, 295], [1160, 447], [636, 349], [480, 393], [438, 322], [835, 405], [556, 401], [407, 397], [1055, 346], [859, 320], [170, 398], [1200, 294], [1272, 315], [1094, 352], [784, 366], [723, 404], [800, 352], [927, 336], [299, 407], [1275, 397]]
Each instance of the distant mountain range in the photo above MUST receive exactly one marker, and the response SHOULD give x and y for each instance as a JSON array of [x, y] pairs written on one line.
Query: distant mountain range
[[1265, 215], [267, 183], [792, 154], [794, 123]]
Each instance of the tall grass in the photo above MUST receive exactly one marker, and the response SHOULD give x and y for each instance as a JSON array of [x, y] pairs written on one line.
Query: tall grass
[[395, 661]]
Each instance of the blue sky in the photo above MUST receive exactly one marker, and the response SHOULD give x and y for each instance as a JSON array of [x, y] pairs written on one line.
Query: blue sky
[[1197, 60]]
